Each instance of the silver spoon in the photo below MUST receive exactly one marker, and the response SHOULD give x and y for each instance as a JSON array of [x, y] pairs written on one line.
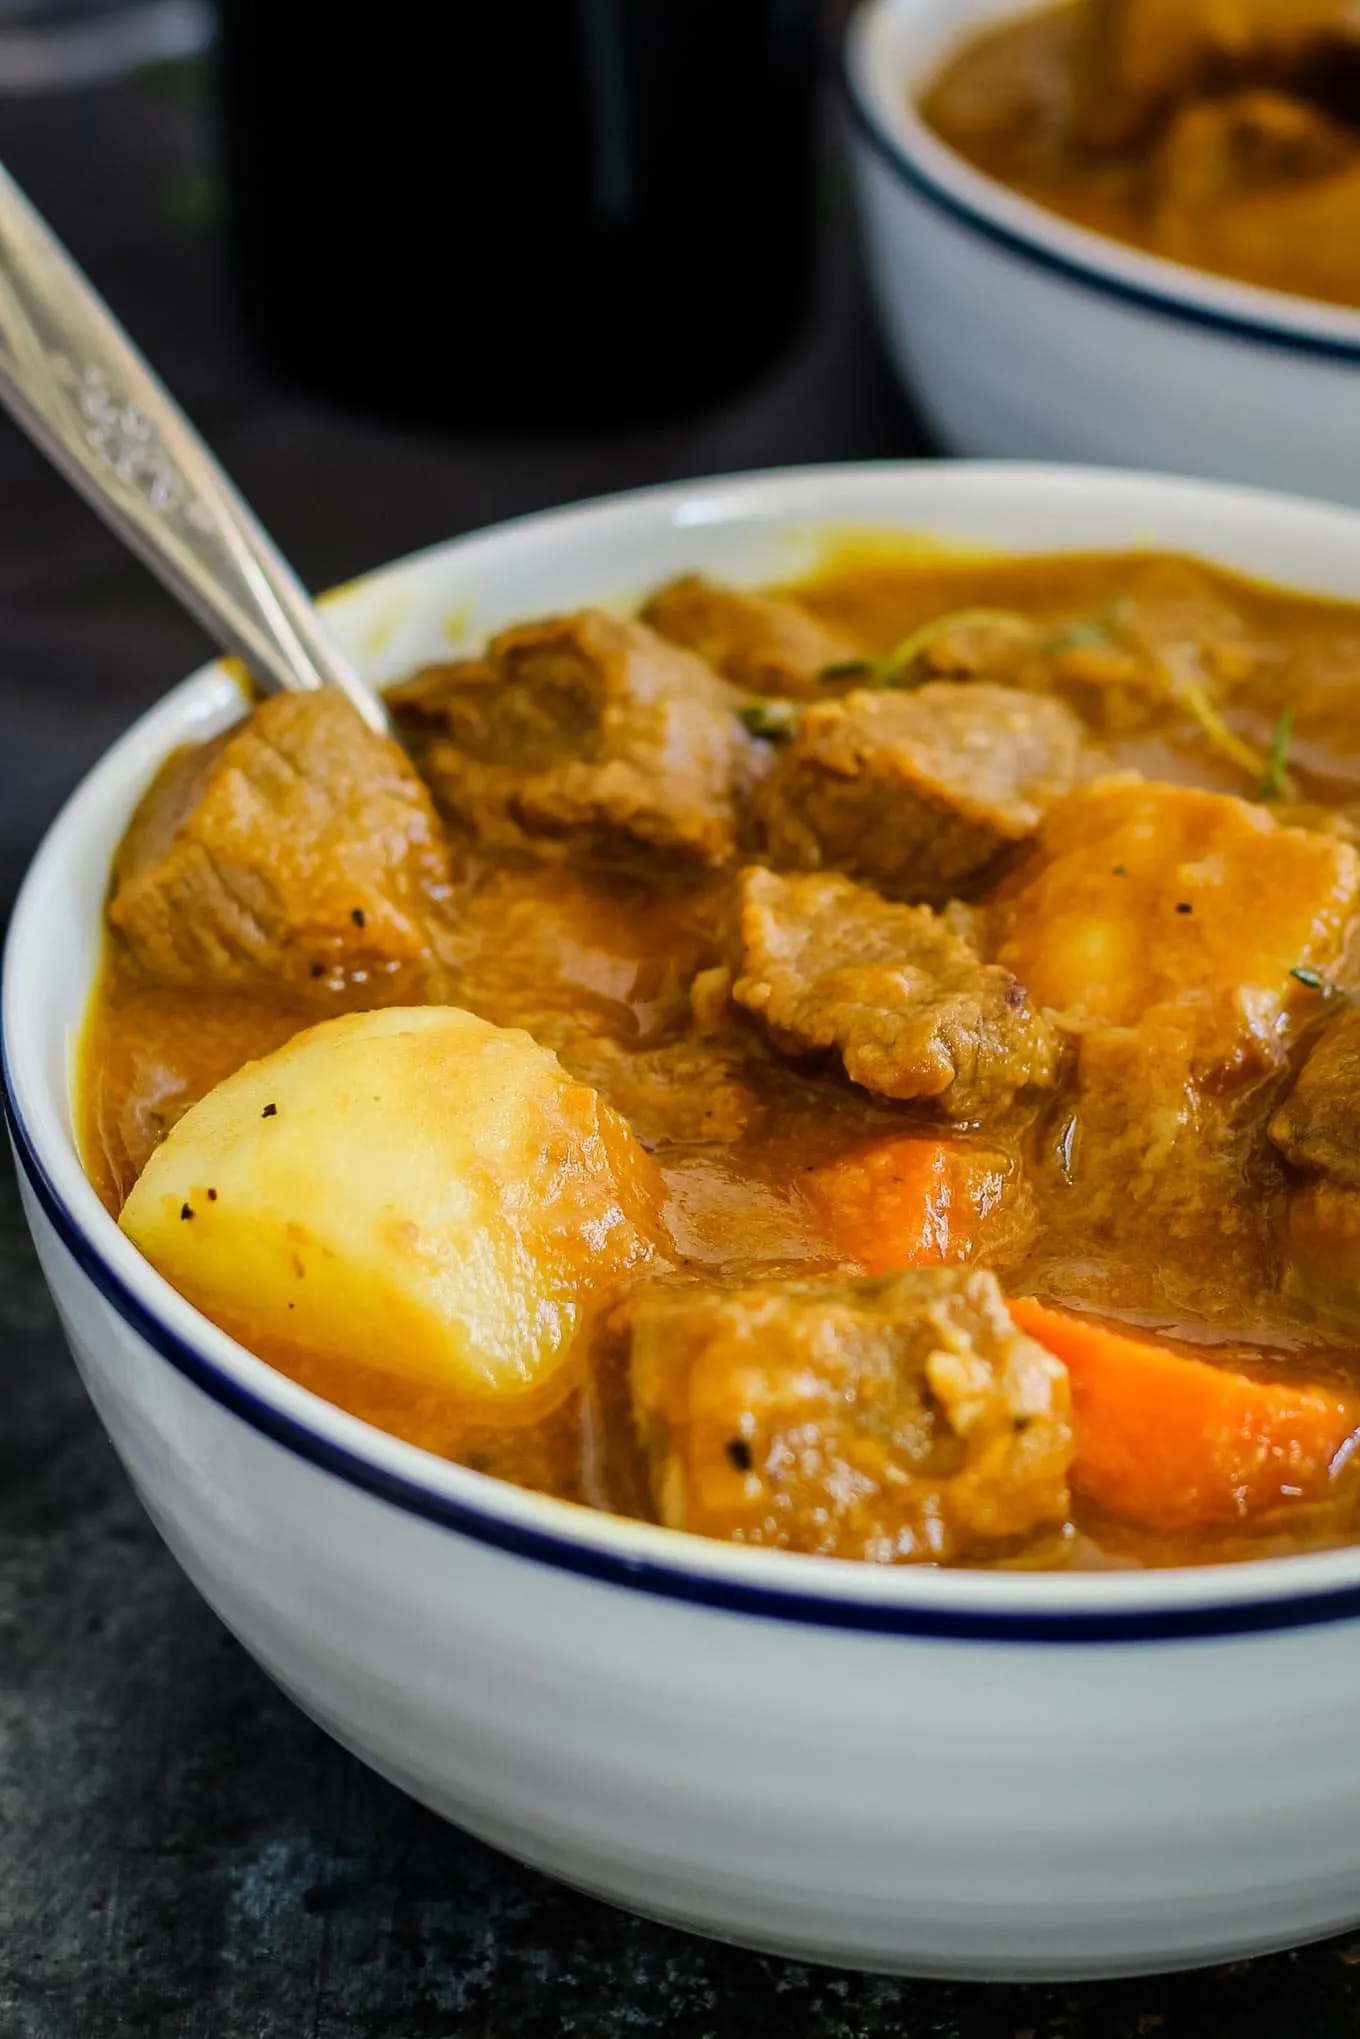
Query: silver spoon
[[75, 382]]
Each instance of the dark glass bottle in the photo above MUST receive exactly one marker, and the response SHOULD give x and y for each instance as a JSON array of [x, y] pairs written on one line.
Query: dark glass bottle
[[520, 212]]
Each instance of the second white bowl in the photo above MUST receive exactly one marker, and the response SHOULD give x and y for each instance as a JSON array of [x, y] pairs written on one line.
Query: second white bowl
[[1026, 337]]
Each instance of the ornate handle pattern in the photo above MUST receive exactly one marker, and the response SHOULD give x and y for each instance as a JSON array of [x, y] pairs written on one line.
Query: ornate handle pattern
[[78, 386]]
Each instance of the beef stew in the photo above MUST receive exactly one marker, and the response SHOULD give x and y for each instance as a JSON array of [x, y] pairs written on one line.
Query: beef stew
[[949, 1153]]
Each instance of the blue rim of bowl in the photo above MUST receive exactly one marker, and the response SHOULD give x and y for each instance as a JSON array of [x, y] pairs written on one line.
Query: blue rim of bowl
[[646, 1575], [1146, 297]]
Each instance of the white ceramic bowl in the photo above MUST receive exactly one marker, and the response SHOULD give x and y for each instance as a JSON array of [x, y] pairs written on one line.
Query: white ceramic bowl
[[950, 1773], [1026, 337]]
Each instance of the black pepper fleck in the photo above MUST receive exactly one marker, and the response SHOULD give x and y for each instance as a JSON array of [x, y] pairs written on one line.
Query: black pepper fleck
[[318, 969], [739, 1454], [186, 1211], [270, 1111], [1184, 906], [212, 1196], [1121, 871], [357, 916]]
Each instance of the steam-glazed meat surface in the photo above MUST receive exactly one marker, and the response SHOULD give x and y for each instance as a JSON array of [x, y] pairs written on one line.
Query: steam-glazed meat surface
[[919, 793], [590, 730], [765, 643], [298, 851], [902, 999], [1318, 1125], [888, 1419]]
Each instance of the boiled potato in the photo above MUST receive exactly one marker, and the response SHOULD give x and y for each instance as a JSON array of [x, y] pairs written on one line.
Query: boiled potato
[[1142, 899], [414, 1189]]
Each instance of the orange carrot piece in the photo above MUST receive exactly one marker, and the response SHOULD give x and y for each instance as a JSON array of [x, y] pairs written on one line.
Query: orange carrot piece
[[1172, 1443], [908, 1201]]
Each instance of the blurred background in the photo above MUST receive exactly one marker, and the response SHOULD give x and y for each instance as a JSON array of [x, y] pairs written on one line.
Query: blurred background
[[488, 313]]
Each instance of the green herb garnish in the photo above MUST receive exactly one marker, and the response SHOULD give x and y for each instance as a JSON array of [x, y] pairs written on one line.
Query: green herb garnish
[[1075, 637], [1275, 781], [1312, 980], [894, 668], [846, 669], [1190, 693], [1088, 630], [1185, 686], [776, 720]]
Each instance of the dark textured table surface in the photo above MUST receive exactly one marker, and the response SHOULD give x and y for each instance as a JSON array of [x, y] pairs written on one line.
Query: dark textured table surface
[[182, 1855]]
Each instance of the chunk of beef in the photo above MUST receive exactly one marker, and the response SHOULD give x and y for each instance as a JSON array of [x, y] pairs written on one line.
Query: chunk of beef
[[297, 849], [1322, 1247], [1137, 58], [894, 1419], [760, 642], [825, 964], [919, 793], [1157, 1153], [1179, 912], [1262, 185], [1318, 1125], [1017, 87], [588, 731], [1242, 146]]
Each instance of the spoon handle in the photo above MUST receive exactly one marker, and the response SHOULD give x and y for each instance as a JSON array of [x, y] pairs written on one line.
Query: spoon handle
[[72, 378]]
